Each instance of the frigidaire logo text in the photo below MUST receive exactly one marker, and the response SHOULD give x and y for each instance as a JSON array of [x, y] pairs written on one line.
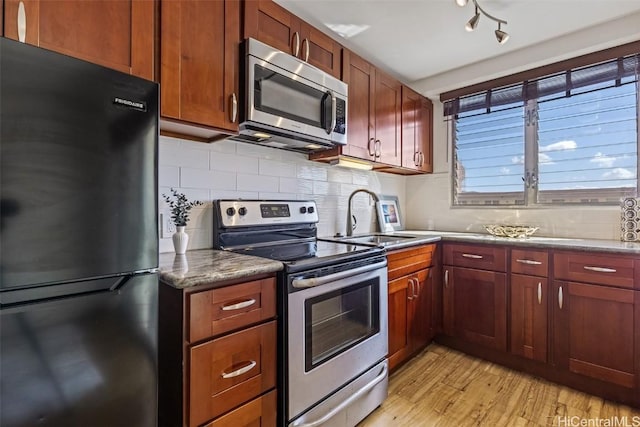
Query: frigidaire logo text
[[141, 106]]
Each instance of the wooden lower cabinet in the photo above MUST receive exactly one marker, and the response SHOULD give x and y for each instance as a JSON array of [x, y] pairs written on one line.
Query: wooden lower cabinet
[[596, 332], [217, 354], [475, 306], [260, 412], [409, 316], [529, 298], [410, 302]]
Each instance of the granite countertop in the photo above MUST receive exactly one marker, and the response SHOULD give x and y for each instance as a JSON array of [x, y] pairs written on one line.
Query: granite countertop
[[207, 266], [613, 246]]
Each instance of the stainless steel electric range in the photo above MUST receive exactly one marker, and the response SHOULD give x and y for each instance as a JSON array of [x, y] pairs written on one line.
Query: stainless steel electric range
[[332, 306]]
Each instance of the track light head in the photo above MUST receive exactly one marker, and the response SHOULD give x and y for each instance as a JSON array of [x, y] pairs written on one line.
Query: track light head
[[501, 36], [473, 22], [462, 3]]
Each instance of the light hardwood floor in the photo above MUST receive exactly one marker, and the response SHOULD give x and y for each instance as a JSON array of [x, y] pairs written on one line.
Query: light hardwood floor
[[443, 387]]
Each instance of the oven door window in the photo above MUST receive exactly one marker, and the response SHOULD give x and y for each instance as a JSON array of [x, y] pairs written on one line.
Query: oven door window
[[285, 97], [339, 320]]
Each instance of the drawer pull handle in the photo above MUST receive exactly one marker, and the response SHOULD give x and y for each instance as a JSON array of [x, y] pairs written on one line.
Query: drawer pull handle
[[239, 305], [240, 371], [528, 262], [472, 256], [22, 23], [539, 292], [560, 298], [600, 269]]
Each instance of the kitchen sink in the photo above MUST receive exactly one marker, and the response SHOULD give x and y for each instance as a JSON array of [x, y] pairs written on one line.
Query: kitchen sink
[[378, 239]]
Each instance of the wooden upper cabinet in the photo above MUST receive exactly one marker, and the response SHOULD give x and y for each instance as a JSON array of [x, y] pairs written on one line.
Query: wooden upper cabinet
[[417, 131], [200, 45], [359, 75], [270, 23], [116, 34], [388, 107]]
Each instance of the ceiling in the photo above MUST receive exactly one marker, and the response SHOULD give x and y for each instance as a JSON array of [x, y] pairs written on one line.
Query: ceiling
[[420, 39]]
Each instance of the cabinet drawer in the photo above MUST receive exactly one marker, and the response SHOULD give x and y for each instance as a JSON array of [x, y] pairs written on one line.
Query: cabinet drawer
[[260, 412], [410, 260], [229, 371], [225, 309], [532, 263], [475, 256], [594, 268]]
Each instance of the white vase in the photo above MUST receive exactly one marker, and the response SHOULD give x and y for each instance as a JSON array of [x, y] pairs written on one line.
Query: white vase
[[180, 240]]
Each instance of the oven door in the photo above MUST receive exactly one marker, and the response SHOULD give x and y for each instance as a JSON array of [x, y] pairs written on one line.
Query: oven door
[[286, 100], [337, 330]]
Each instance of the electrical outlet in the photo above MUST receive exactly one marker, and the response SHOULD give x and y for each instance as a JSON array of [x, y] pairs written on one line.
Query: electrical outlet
[[167, 225]]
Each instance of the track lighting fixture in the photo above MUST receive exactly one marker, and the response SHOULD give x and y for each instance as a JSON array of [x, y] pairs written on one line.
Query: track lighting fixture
[[473, 22], [501, 36]]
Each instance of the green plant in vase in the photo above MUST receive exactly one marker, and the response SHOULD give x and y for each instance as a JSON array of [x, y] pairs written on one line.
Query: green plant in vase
[[180, 208]]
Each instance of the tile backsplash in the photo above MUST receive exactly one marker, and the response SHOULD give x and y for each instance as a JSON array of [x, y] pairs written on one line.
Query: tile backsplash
[[230, 169]]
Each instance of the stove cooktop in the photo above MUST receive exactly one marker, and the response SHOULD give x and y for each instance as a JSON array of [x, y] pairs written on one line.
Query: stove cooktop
[[306, 255]]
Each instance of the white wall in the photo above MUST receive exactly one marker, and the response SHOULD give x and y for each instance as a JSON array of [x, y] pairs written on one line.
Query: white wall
[[429, 196], [229, 169]]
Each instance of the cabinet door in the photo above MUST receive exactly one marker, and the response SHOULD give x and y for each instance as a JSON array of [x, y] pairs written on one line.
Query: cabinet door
[[417, 116], [399, 299], [320, 50], [388, 107], [270, 23], [360, 76], [116, 34], [419, 316], [425, 135], [478, 306], [260, 412], [529, 296], [595, 331], [199, 62]]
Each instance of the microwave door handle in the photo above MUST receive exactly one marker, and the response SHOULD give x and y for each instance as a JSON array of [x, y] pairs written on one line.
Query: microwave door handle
[[328, 120], [334, 113]]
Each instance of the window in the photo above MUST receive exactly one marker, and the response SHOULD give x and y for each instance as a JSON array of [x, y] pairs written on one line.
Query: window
[[568, 138]]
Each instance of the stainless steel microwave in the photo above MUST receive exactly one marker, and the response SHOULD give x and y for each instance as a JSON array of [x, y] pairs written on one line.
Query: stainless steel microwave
[[290, 104]]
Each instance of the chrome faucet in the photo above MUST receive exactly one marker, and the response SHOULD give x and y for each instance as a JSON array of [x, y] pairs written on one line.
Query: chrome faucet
[[351, 220]]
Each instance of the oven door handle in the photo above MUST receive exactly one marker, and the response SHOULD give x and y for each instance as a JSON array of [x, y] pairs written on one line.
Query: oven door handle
[[357, 395], [317, 281]]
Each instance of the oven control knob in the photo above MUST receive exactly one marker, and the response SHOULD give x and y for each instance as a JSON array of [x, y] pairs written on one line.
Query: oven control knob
[[310, 209], [303, 210], [231, 211], [242, 211]]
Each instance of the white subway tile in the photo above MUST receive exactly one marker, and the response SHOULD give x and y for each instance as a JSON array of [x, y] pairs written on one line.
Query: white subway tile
[[327, 188], [248, 182], [196, 178], [227, 162], [168, 176], [296, 185], [341, 175], [232, 194], [277, 196], [312, 171], [277, 168]]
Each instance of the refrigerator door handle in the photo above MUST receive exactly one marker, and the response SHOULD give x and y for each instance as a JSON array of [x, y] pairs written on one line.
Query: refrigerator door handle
[[118, 284]]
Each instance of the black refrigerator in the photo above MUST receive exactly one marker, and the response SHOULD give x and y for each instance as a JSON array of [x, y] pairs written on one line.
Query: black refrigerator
[[78, 242]]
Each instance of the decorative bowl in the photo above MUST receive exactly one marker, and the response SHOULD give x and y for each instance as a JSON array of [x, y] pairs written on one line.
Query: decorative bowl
[[515, 231]]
